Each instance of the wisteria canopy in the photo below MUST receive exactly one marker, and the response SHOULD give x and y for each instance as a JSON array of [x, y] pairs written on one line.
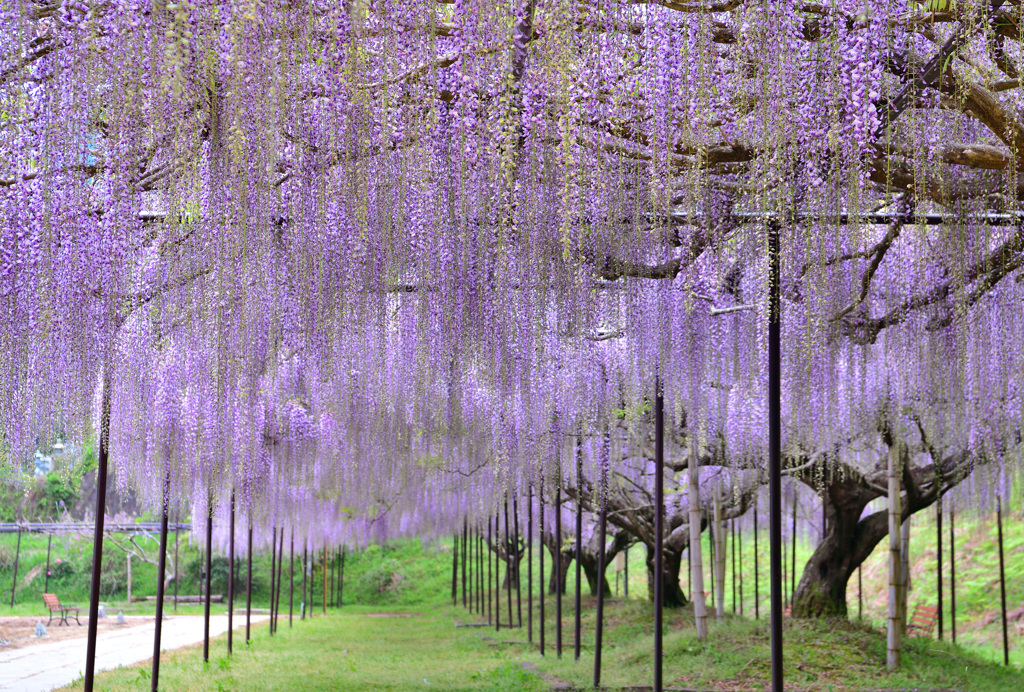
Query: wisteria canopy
[[383, 261]]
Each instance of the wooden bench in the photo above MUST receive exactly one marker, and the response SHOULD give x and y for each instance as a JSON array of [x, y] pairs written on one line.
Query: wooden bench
[[922, 622], [55, 606]]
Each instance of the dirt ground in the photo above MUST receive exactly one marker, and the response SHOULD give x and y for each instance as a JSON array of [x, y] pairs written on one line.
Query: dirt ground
[[19, 632]]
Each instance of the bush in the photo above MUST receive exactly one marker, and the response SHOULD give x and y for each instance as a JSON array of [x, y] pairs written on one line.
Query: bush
[[384, 578], [62, 570], [195, 571]]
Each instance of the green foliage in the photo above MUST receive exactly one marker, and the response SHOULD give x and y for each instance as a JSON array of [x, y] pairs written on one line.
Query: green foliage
[[219, 573]]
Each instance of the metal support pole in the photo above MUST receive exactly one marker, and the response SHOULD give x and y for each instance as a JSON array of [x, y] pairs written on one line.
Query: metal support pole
[[579, 549], [625, 573], [248, 585], [775, 449], [738, 536], [291, 577], [490, 589], [465, 533], [938, 569], [792, 554], [305, 569], [97, 547], [952, 573], [519, 588], [273, 574], [231, 574], [860, 591], [161, 570], [659, 539], [455, 568], [1002, 580], [17, 556], [602, 537], [558, 564], [508, 562], [280, 580], [540, 573], [341, 579], [497, 574], [209, 561], [757, 568], [323, 605], [177, 574], [529, 563], [732, 544], [49, 546]]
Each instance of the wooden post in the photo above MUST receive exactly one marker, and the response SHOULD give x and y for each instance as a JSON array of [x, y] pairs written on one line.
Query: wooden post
[[323, 604], [1002, 581], [305, 569]]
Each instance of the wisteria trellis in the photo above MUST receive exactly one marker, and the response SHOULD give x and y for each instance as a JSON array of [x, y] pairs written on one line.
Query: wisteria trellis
[[351, 259]]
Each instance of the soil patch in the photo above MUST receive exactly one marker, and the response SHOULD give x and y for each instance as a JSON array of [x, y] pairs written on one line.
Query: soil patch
[[19, 632]]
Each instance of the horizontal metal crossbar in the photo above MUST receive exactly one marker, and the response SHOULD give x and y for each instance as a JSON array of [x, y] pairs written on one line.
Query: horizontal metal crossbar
[[72, 526]]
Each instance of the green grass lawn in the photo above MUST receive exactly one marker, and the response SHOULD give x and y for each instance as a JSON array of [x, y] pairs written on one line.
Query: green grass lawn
[[346, 650], [352, 649]]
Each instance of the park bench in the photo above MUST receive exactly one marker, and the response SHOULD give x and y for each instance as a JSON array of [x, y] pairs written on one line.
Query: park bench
[[922, 622], [55, 606]]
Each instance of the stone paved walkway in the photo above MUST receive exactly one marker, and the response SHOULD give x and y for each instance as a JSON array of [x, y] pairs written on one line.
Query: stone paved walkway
[[46, 666]]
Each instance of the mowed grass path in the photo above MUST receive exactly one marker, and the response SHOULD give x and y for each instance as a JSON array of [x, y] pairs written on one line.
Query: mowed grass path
[[346, 650]]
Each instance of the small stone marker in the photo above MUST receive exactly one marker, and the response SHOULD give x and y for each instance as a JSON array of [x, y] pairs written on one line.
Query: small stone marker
[[40, 629], [120, 618], [102, 613]]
